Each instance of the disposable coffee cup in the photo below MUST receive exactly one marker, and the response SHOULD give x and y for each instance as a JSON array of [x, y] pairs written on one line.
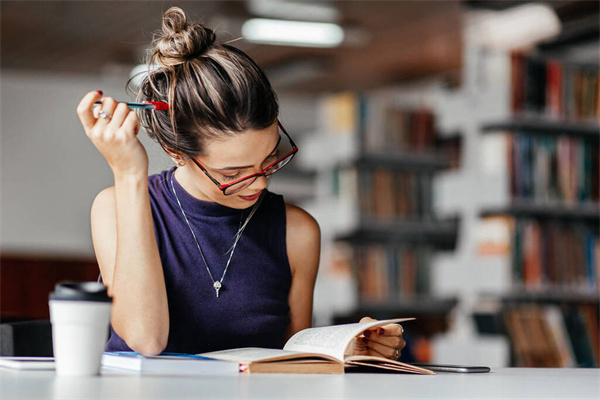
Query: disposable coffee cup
[[80, 316]]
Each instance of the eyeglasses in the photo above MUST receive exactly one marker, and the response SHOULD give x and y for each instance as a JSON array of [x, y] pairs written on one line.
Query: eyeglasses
[[288, 150]]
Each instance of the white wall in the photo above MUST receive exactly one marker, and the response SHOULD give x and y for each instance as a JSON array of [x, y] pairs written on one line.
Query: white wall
[[50, 172]]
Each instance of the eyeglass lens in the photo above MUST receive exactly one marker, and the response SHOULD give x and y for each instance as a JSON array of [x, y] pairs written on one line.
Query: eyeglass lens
[[247, 182]]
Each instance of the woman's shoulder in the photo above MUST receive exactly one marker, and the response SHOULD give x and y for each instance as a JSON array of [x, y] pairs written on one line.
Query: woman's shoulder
[[300, 224]]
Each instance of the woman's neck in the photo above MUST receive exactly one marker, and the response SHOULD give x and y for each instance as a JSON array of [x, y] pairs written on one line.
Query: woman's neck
[[189, 182]]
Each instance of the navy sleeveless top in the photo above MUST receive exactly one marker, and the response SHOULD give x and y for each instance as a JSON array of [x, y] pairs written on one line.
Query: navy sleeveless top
[[252, 308]]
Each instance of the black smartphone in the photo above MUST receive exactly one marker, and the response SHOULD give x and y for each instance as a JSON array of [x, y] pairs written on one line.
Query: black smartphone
[[463, 369]]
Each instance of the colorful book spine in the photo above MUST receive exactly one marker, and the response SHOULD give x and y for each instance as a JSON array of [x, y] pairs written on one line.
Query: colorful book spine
[[387, 273], [552, 336], [556, 169], [554, 89]]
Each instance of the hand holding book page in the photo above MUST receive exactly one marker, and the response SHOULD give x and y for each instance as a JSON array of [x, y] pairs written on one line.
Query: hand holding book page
[[337, 341], [317, 350]]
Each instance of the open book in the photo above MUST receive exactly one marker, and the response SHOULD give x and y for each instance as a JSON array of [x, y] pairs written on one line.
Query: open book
[[317, 351]]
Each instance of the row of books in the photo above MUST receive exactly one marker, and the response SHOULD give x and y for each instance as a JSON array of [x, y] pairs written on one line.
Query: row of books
[[401, 130], [388, 273], [384, 126], [544, 254], [386, 195], [554, 336], [554, 169], [551, 254], [553, 88]]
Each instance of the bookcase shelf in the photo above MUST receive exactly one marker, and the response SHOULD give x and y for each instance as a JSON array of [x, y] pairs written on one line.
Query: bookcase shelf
[[441, 234], [379, 192], [420, 160], [550, 311], [539, 125], [418, 305], [432, 314], [550, 296], [524, 209]]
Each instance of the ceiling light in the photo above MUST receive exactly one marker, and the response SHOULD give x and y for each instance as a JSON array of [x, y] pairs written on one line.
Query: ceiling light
[[292, 33], [516, 28], [297, 10]]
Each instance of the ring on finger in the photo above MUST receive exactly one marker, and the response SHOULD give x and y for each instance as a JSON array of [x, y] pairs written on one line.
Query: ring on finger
[[396, 355], [105, 115]]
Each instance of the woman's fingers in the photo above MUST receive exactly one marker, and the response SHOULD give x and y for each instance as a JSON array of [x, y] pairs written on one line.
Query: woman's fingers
[[386, 340], [119, 114], [390, 330], [394, 342], [375, 353], [84, 109], [383, 349], [105, 113], [131, 123]]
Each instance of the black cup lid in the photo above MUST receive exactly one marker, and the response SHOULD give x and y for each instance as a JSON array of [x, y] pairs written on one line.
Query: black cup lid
[[80, 291]]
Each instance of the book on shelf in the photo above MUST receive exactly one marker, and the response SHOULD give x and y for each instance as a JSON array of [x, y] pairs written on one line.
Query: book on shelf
[[551, 336], [544, 254], [553, 169], [384, 194], [167, 363], [557, 89], [325, 350], [400, 129], [393, 272], [342, 113]]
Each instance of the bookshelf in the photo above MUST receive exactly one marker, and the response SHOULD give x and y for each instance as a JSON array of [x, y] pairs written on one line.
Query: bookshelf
[[544, 126], [527, 209], [378, 160], [547, 232]]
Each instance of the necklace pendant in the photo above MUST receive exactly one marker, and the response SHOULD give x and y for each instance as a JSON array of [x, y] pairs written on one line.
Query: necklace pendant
[[217, 285]]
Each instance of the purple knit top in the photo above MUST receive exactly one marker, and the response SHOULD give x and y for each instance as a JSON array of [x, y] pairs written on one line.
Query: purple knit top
[[252, 307]]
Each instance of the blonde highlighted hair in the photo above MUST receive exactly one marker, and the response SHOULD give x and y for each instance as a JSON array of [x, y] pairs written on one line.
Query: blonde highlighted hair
[[213, 90]]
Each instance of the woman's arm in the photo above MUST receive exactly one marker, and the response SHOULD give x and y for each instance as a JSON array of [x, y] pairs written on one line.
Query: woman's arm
[[123, 230], [303, 238]]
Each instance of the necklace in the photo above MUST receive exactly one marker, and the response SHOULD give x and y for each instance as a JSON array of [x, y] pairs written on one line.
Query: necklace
[[219, 283]]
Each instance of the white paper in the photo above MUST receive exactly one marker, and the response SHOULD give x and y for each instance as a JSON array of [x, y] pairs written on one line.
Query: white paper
[[333, 340], [248, 355]]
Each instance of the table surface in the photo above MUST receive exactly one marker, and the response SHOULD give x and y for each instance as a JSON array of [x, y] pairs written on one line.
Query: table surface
[[503, 383]]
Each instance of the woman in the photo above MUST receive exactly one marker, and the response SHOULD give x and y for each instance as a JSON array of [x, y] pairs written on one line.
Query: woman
[[202, 257]]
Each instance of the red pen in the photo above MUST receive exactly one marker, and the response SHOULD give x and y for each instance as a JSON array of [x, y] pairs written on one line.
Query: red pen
[[147, 105]]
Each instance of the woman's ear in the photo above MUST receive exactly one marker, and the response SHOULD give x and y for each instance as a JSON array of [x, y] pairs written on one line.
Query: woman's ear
[[178, 159]]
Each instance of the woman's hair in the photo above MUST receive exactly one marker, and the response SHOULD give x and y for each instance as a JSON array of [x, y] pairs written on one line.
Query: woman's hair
[[213, 90]]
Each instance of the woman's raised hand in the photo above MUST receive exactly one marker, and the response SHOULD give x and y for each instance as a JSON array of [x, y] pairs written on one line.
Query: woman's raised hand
[[385, 341], [113, 129]]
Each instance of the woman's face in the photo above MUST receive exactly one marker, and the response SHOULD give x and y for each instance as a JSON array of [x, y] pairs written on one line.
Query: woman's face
[[230, 159]]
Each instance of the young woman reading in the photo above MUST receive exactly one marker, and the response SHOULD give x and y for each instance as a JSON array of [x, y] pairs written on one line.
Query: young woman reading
[[202, 257]]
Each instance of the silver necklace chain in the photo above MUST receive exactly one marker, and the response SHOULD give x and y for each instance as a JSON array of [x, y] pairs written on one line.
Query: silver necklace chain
[[217, 284]]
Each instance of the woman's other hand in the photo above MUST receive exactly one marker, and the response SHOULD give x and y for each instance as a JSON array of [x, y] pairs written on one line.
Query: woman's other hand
[[113, 129], [385, 341]]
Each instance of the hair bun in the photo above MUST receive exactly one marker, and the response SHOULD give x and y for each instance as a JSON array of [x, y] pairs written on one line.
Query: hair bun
[[181, 41]]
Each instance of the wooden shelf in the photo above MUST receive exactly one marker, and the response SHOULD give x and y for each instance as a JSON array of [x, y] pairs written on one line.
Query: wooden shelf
[[539, 125], [432, 314], [424, 160], [551, 296], [419, 305], [585, 212], [441, 234]]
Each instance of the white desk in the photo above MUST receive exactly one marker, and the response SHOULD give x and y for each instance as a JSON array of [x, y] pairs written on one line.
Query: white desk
[[509, 383]]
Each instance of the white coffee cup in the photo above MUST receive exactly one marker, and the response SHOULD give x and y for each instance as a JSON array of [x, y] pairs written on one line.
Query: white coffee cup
[[80, 316]]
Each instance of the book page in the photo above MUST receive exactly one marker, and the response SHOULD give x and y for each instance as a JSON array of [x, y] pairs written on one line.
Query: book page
[[333, 340], [252, 354]]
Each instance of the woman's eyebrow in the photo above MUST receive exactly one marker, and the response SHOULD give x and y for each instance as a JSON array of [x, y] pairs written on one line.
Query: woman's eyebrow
[[249, 166]]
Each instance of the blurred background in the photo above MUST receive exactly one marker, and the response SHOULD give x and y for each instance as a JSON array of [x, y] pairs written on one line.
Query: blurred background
[[448, 150]]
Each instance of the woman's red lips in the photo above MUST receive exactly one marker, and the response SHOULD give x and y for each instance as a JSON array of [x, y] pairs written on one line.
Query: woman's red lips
[[251, 198]]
